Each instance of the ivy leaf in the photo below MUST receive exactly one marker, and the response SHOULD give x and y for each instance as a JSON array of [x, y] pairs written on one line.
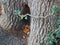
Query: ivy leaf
[[58, 22], [49, 43], [49, 33], [58, 33], [52, 38], [54, 9], [17, 12], [37, 43]]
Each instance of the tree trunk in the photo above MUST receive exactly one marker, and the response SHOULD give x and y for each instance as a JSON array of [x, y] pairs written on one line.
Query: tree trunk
[[40, 26], [11, 23]]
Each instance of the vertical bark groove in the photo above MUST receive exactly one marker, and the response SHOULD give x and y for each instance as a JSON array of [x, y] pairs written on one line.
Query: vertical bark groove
[[41, 8], [11, 23]]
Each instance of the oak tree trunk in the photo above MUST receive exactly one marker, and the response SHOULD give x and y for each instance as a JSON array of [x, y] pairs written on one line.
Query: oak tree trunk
[[40, 26], [12, 24]]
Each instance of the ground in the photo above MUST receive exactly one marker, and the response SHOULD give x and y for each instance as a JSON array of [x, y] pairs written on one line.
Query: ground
[[7, 39]]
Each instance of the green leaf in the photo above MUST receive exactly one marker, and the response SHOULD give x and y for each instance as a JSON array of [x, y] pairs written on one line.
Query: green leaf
[[54, 9], [37, 43], [49, 33], [49, 43], [58, 33], [58, 22], [17, 12], [52, 38]]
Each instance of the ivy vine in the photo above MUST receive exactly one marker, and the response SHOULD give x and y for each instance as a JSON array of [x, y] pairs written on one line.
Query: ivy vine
[[18, 12], [54, 37]]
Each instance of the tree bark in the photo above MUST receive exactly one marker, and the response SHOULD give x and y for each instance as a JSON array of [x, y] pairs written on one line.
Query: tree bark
[[40, 26], [10, 22]]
